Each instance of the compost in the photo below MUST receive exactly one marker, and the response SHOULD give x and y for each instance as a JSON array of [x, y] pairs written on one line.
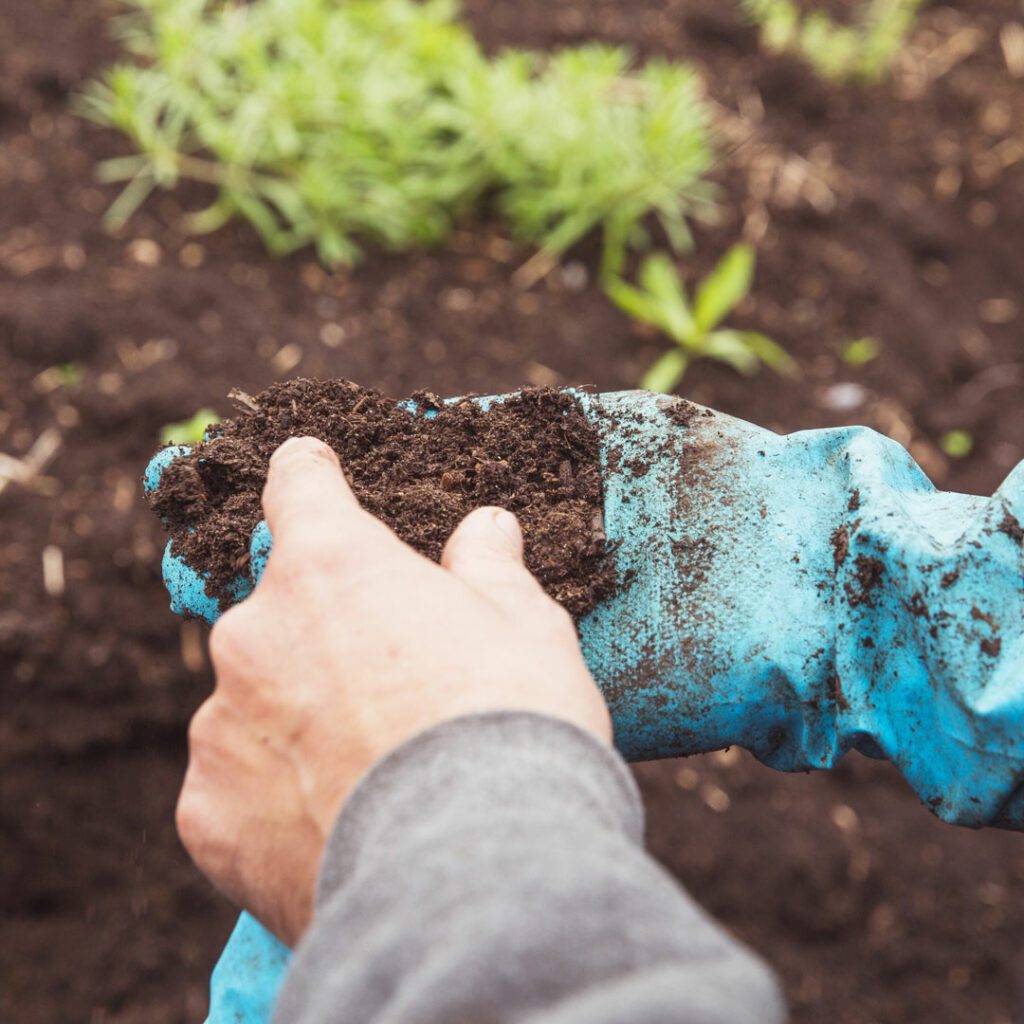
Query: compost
[[419, 469]]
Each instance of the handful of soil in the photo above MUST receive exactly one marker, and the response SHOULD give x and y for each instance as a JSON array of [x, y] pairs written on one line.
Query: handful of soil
[[534, 454]]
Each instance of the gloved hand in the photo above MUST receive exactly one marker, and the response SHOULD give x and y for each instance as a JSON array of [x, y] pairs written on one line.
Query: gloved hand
[[798, 595]]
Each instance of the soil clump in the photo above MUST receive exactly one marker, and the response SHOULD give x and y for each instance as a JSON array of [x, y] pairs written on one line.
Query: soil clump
[[419, 470]]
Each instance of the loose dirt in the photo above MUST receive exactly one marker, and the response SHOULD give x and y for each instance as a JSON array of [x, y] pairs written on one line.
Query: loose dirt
[[419, 471]]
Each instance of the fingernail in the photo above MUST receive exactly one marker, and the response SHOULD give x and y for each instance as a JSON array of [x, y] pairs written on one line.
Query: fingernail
[[288, 446], [508, 524]]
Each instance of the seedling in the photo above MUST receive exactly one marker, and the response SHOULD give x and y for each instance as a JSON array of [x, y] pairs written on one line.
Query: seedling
[[957, 444], [70, 375], [383, 121], [190, 431], [65, 376], [863, 50], [860, 351], [661, 301]]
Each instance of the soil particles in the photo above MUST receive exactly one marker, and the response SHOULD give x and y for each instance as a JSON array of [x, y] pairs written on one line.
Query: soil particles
[[893, 212], [420, 472]]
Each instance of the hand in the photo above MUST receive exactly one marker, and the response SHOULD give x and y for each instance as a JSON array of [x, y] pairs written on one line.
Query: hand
[[352, 643]]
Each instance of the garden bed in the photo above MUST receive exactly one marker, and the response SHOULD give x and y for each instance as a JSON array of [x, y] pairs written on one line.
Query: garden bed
[[894, 213]]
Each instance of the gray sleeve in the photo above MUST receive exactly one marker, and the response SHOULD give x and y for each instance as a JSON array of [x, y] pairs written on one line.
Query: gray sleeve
[[492, 869]]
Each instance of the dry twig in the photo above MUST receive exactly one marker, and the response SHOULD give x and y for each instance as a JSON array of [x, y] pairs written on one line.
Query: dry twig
[[24, 471]]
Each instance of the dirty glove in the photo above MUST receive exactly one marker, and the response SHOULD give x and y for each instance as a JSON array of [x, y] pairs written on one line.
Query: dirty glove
[[798, 595]]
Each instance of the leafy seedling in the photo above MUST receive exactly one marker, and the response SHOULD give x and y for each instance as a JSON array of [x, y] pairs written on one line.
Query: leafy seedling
[[860, 351], [957, 444], [64, 376], [70, 375], [190, 431], [863, 50], [661, 301]]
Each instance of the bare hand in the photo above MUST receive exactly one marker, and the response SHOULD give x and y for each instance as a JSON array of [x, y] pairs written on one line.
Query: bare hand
[[351, 644]]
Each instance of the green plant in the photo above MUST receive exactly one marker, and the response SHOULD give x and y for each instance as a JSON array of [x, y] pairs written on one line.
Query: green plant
[[190, 431], [860, 351], [67, 376], [661, 301], [382, 121], [864, 49], [957, 444], [70, 375], [580, 141]]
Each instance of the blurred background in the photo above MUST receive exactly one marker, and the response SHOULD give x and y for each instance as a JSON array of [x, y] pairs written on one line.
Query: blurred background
[[882, 205]]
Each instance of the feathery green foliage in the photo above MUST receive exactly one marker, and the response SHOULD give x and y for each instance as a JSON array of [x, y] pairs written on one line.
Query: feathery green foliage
[[863, 50], [661, 301], [580, 141], [340, 122]]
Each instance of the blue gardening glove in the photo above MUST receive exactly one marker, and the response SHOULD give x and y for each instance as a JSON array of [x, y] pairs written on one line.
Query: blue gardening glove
[[798, 595]]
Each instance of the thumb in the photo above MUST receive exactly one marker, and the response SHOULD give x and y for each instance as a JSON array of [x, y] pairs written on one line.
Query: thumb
[[486, 551], [308, 500]]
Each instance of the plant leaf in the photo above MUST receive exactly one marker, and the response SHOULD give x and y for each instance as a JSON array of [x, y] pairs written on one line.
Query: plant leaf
[[771, 353], [860, 351], [957, 444], [633, 302], [131, 197], [658, 275], [724, 288], [731, 347], [613, 250], [190, 431], [211, 218], [667, 372]]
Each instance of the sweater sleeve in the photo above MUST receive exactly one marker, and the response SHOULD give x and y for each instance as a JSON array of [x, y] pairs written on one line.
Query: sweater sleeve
[[492, 869]]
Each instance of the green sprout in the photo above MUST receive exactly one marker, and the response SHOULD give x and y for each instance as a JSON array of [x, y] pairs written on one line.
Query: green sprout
[[661, 301], [957, 444], [70, 375], [860, 351], [190, 431], [65, 376], [864, 50], [383, 122]]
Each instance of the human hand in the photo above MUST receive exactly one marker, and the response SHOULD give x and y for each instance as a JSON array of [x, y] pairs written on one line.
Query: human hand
[[351, 644]]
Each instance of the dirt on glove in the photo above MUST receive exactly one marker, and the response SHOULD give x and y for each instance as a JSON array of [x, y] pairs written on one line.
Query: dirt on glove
[[420, 472]]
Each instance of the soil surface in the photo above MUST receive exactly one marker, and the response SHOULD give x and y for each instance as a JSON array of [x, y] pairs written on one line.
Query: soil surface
[[421, 473], [893, 212]]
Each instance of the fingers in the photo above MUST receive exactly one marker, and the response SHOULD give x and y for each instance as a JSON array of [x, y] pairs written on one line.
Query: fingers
[[160, 462], [486, 551], [307, 502], [305, 487]]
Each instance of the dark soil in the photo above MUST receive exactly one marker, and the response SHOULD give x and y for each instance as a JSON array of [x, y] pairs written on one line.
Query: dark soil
[[894, 212], [868, 575], [1011, 527], [534, 454]]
